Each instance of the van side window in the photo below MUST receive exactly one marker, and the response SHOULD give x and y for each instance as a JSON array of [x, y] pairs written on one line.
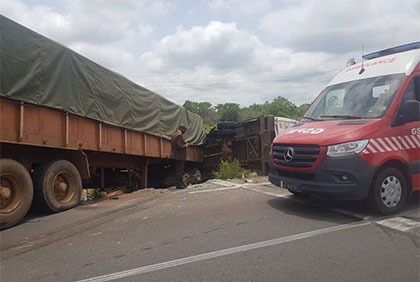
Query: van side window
[[411, 93], [413, 90], [417, 88]]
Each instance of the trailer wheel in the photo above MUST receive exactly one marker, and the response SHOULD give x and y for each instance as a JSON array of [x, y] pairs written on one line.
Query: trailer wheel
[[389, 191], [58, 186], [16, 192]]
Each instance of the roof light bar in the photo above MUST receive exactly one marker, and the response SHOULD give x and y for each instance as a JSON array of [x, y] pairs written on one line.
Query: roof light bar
[[393, 50]]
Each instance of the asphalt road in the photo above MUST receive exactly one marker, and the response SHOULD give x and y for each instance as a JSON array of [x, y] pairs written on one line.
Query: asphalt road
[[236, 232]]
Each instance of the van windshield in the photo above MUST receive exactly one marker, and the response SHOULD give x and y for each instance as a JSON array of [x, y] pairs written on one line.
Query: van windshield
[[364, 98]]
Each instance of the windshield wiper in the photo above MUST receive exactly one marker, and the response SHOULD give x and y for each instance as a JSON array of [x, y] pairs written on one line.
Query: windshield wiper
[[313, 119], [342, 116]]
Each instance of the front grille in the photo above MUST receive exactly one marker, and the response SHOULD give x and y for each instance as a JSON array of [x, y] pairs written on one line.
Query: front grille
[[303, 155]]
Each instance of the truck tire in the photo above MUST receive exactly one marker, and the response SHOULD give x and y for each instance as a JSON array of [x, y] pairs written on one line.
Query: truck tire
[[389, 191], [16, 192], [58, 186], [226, 129]]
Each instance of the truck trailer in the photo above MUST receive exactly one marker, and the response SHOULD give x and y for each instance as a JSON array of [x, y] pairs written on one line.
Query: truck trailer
[[66, 121]]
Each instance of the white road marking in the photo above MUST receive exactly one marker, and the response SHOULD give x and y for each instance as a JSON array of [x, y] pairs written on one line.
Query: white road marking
[[265, 192], [247, 186], [400, 223], [220, 253], [230, 186], [353, 214], [214, 189]]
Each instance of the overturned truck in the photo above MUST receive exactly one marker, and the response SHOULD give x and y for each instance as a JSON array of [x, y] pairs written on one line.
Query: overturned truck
[[67, 122], [248, 142]]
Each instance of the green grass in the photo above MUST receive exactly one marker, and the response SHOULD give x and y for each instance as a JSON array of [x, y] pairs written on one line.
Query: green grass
[[230, 170]]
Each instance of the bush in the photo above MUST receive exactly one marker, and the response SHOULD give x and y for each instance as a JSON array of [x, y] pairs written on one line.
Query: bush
[[229, 170], [93, 193], [208, 127]]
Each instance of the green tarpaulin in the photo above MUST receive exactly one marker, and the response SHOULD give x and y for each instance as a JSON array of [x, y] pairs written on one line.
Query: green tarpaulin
[[37, 70]]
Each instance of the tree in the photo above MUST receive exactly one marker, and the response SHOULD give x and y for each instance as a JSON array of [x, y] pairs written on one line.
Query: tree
[[280, 106], [302, 109], [228, 111], [203, 109], [252, 111]]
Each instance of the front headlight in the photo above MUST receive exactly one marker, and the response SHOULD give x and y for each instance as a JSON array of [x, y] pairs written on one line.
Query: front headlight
[[348, 148]]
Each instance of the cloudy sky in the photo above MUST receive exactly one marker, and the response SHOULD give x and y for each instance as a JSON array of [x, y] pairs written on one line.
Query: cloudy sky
[[223, 51]]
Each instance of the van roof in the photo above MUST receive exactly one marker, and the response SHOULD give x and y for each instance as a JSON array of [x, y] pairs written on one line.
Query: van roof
[[393, 50], [400, 59]]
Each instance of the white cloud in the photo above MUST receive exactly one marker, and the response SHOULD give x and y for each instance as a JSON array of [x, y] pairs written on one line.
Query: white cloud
[[343, 26], [43, 19], [219, 61], [145, 29], [222, 47], [218, 46], [94, 21], [246, 7]]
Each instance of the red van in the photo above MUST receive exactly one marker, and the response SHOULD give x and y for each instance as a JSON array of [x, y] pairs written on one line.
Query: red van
[[361, 136]]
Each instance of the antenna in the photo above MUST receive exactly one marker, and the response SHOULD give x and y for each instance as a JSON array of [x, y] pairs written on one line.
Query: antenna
[[362, 70]]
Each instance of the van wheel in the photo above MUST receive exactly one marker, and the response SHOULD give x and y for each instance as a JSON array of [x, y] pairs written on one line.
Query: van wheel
[[16, 192], [58, 186], [389, 191]]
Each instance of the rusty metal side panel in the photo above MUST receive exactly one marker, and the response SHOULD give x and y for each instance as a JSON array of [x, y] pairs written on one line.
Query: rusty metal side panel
[[83, 133], [153, 146], [9, 121], [112, 139], [195, 153], [43, 126], [166, 148], [135, 143], [27, 124], [35, 125]]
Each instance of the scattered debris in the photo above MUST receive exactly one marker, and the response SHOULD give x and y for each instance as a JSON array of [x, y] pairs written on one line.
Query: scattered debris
[[92, 195]]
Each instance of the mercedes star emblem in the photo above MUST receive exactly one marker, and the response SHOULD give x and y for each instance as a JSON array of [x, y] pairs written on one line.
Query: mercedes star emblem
[[289, 153]]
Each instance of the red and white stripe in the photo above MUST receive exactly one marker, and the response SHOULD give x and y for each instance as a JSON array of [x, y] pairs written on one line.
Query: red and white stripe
[[392, 143]]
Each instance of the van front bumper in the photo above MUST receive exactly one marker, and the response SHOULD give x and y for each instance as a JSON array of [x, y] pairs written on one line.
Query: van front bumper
[[345, 178]]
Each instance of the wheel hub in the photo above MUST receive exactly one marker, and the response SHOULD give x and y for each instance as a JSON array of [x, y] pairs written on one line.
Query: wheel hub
[[5, 192], [391, 191], [5, 196], [61, 188], [9, 192]]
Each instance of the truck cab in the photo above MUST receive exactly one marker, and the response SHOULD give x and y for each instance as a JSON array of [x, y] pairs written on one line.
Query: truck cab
[[361, 136]]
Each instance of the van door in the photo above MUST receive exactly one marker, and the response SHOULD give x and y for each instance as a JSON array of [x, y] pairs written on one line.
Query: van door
[[410, 133]]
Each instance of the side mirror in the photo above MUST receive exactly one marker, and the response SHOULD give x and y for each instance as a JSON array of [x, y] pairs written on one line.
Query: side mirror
[[409, 111]]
